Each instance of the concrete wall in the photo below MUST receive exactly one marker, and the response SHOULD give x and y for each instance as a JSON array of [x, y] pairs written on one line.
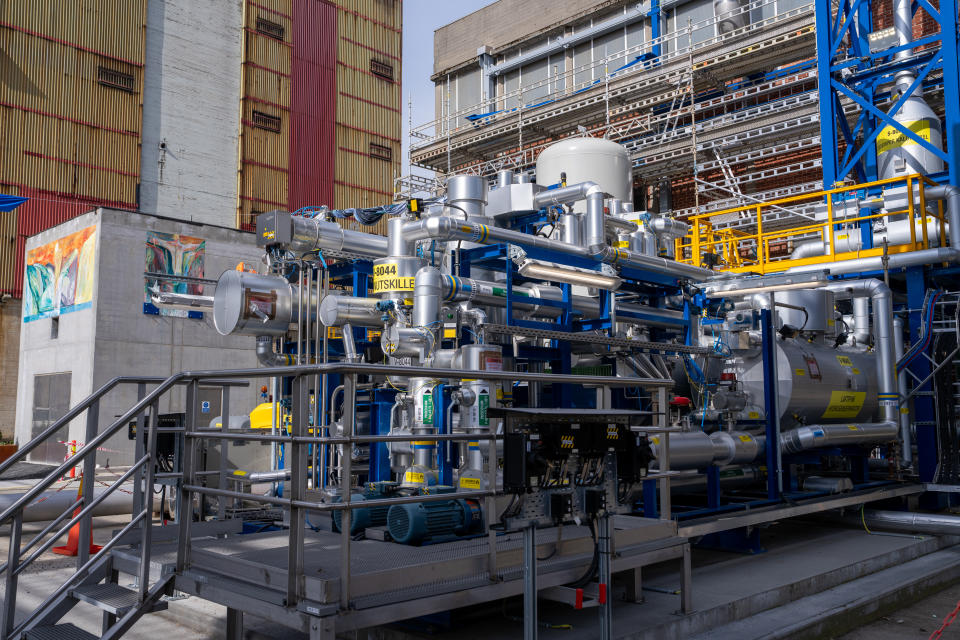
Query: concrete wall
[[115, 337], [191, 103], [502, 24], [9, 357], [71, 351]]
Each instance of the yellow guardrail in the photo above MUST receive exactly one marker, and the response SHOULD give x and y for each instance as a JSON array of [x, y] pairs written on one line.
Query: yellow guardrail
[[756, 249]]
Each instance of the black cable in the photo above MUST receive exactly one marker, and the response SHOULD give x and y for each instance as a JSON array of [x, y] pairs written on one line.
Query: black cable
[[587, 577]]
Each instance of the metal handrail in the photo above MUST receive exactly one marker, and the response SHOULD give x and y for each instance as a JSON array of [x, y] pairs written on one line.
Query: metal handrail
[[70, 415], [188, 488]]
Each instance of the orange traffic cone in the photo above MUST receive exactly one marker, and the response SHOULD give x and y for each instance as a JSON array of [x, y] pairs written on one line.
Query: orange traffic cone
[[73, 538]]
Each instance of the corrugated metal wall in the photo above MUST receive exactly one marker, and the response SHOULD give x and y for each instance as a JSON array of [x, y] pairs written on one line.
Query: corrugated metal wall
[[312, 105], [318, 82], [70, 113], [8, 249], [368, 104], [264, 153]]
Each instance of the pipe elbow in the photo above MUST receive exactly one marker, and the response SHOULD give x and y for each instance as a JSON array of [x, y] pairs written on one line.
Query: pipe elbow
[[267, 357]]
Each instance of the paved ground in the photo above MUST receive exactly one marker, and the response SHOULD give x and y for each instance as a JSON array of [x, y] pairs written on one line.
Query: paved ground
[[915, 622]]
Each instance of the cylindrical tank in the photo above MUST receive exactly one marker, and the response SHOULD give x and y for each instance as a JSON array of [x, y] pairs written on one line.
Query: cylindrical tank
[[730, 15], [469, 194], [809, 310], [338, 310], [898, 155], [255, 304], [602, 161], [394, 277], [817, 384]]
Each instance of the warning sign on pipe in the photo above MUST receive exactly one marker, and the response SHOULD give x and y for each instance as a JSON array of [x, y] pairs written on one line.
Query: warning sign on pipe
[[385, 279], [845, 404], [891, 137]]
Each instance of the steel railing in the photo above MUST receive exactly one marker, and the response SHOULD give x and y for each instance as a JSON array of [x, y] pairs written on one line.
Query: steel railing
[[756, 248], [298, 438]]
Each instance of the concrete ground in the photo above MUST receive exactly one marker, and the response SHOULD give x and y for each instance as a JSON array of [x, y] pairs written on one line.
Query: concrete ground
[[807, 569], [916, 621]]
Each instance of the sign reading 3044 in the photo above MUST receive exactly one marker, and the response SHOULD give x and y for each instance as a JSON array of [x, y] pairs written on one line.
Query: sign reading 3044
[[386, 280]]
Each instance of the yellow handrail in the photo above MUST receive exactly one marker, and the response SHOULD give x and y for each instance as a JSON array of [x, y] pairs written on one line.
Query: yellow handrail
[[746, 251]]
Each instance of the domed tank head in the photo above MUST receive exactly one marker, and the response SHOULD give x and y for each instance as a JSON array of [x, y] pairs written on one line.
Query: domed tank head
[[584, 159]]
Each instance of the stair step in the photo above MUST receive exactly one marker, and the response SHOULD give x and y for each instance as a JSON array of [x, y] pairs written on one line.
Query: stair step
[[112, 598], [65, 631]]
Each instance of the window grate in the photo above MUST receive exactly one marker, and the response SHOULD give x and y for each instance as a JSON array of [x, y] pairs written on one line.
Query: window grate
[[270, 28], [115, 79], [381, 152], [381, 69], [266, 121]]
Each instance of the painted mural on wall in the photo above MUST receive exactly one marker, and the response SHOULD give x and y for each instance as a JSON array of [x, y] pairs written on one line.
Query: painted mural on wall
[[176, 255], [59, 276]]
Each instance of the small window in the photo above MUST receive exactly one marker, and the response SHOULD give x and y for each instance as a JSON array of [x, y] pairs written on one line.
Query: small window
[[381, 152], [270, 28], [115, 79], [266, 121], [381, 69], [54, 328]]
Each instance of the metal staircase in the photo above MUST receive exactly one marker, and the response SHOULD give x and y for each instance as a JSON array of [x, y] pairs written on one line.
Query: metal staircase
[[94, 582]]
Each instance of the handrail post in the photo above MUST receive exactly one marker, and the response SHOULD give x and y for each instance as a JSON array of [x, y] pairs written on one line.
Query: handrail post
[[13, 561], [185, 500], [297, 456], [224, 449], [346, 473], [138, 448], [87, 481], [150, 443]]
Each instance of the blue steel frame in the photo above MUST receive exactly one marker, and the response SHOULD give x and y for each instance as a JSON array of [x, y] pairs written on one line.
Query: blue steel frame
[[866, 71]]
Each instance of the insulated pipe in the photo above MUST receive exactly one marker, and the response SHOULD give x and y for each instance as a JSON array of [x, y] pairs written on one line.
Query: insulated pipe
[[932, 523], [443, 228], [814, 436], [861, 320], [51, 505], [310, 234], [349, 346], [267, 357], [906, 437], [566, 195], [949, 193], [883, 337], [397, 245], [668, 228], [456, 289], [697, 450]]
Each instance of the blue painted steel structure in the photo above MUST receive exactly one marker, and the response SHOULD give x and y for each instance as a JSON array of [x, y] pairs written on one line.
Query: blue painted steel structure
[[846, 68]]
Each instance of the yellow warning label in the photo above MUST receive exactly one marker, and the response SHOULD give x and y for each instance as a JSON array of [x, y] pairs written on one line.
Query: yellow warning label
[[385, 279], [623, 244], [470, 483], [891, 138], [413, 476], [238, 472], [852, 427], [904, 410], [746, 438], [655, 440], [844, 361], [753, 415], [800, 372], [449, 333], [856, 371], [830, 322], [845, 404], [842, 236]]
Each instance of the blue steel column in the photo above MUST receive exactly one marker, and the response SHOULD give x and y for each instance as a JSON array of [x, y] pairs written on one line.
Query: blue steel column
[[951, 84], [770, 403], [828, 114]]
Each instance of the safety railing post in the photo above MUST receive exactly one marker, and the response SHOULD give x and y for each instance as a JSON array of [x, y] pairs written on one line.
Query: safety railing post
[[923, 214], [185, 495], [346, 466], [87, 482], [138, 452], [761, 260], [149, 468], [224, 449], [13, 562], [297, 456]]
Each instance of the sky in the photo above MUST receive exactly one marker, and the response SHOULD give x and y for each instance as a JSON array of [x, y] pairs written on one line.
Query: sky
[[420, 19]]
